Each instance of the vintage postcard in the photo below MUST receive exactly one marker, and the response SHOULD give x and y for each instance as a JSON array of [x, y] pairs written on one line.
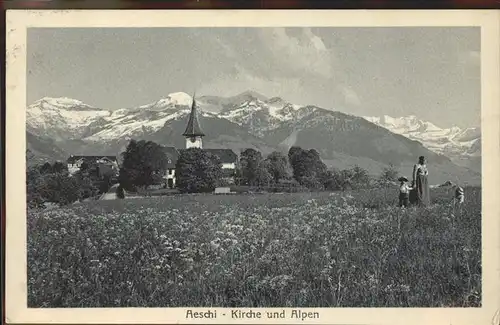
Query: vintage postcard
[[292, 167]]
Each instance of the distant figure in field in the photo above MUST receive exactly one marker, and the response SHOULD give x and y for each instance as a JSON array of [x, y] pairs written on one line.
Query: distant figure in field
[[420, 194], [459, 195], [404, 192]]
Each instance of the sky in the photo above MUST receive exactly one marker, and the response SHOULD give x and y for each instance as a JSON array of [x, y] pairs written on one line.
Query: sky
[[430, 72]]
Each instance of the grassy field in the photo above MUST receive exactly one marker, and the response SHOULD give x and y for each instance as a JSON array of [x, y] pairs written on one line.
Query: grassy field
[[352, 249]]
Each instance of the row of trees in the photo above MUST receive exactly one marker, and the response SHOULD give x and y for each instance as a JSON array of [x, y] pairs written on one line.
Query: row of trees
[[145, 163], [53, 183], [305, 168]]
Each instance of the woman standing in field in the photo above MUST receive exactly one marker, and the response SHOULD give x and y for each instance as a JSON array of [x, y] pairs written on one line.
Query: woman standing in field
[[420, 184]]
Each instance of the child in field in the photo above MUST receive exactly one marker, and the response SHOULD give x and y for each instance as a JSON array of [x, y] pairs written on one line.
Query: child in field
[[459, 195], [404, 192]]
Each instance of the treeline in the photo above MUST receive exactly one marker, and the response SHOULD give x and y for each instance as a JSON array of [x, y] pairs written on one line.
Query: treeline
[[197, 171], [306, 169], [144, 163], [53, 183]]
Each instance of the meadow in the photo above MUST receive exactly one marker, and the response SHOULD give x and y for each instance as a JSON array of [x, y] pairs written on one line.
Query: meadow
[[341, 249]]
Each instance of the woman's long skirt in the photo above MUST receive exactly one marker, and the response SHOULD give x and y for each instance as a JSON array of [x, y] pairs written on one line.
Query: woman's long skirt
[[422, 191]]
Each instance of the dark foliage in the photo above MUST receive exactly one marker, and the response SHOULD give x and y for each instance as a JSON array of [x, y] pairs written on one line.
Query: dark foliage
[[197, 171], [59, 188], [120, 193], [144, 163], [308, 169], [277, 165]]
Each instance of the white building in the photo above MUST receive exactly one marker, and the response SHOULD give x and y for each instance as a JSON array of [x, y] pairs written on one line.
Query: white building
[[104, 163]]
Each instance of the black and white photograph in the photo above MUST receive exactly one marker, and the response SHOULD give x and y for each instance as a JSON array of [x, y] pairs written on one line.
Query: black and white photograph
[[254, 173]]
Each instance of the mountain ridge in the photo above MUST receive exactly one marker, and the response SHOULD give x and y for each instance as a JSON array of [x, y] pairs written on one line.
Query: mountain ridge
[[462, 146], [245, 120]]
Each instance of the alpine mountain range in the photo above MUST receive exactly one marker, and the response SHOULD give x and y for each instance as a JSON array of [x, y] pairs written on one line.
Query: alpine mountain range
[[58, 127]]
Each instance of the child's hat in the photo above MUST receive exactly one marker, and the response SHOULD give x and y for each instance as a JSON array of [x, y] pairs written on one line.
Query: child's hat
[[403, 179]]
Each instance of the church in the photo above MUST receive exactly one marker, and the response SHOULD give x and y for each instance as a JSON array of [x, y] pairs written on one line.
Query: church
[[194, 139]]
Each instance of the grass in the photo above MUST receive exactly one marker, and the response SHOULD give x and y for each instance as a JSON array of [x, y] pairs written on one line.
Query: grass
[[351, 249]]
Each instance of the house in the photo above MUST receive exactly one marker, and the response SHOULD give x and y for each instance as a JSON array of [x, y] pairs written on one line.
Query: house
[[229, 161], [194, 139], [172, 156], [105, 164]]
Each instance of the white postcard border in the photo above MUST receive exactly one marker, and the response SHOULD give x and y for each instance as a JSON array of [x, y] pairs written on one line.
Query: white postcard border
[[16, 271]]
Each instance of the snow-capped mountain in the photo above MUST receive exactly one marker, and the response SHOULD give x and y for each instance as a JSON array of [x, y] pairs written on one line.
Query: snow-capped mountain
[[64, 118], [463, 146], [260, 116], [248, 120]]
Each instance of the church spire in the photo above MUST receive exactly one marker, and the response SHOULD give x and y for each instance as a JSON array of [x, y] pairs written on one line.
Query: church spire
[[193, 128]]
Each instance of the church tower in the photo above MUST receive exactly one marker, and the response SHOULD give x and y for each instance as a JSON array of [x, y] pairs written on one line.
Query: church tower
[[193, 133]]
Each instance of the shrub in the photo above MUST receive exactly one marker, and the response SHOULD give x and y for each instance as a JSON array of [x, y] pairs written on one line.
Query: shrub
[[388, 176]]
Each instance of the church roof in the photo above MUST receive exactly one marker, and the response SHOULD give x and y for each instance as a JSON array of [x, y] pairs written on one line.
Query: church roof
[[226, 156], [172, 156], [193, 128]]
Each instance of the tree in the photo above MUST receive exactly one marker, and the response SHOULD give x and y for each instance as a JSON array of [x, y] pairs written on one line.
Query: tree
[[250, 161], [59, 167], [143, 162], [46, 168], [319, 167], [389, 175], [33, 196], [50, 183], [237, 175], [57, 188], [105, 183], [263, 177], [345, 179], [197, 171], [308, 169], [277, 165], [84, 167], [297, 159], [331, 180], [292, 152], [359, 178], [86, 188]]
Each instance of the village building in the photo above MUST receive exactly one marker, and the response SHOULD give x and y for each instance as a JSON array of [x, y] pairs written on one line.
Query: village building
[[105, 164], [172, 156], [194, 139]]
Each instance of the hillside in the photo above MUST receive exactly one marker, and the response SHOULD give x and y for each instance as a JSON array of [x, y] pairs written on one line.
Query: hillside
[[41, 149]]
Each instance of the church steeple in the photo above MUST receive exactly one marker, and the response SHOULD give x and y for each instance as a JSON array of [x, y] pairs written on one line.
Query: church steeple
[[193, 132]]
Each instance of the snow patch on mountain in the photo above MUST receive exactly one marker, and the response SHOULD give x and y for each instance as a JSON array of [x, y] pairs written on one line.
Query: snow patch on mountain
[[61, 117], [451, 142], [171, 101], [134, 125], [65, 118], [264, 115]]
